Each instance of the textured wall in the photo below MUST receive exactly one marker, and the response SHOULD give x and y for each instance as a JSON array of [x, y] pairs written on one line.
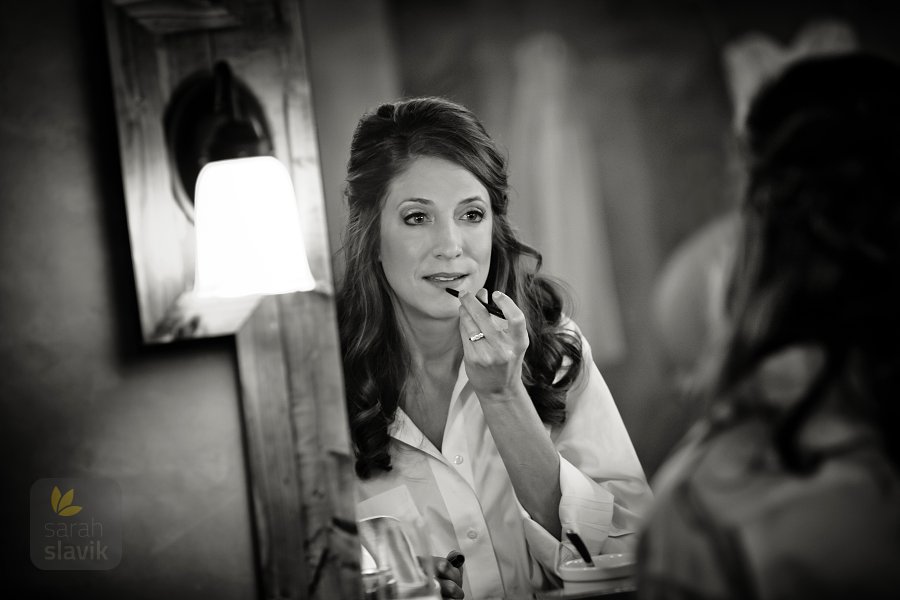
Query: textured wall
[[353, 68], [80, 396]]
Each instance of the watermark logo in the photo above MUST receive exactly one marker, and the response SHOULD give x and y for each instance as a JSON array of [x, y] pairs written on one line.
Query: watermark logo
[[62, 504], [74, 537]]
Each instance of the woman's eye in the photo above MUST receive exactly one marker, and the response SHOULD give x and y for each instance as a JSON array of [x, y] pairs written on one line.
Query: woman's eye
[[415, 218], [474, 216]]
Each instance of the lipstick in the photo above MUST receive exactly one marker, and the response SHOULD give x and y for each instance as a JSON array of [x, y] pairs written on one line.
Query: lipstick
[[490, 308]]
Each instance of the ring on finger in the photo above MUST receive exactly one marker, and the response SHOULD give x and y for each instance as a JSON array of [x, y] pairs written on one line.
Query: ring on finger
[[476, 337]]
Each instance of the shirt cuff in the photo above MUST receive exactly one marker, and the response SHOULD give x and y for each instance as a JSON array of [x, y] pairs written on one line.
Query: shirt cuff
[[585, 508]]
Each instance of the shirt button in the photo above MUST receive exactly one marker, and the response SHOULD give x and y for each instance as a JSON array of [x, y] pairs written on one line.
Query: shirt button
[[472, 534], [457, 460]]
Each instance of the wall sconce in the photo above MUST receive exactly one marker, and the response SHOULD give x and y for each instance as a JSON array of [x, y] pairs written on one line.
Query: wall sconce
[[241, 199], [249, 240]]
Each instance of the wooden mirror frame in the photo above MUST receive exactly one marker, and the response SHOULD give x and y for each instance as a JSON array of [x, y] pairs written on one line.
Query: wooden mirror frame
[[156, 45], [295, 422]]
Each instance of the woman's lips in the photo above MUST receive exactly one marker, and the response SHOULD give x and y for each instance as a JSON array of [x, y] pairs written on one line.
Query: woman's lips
[[444, 278]]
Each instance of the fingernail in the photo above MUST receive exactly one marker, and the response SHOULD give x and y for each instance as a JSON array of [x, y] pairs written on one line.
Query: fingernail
[[456, 558]]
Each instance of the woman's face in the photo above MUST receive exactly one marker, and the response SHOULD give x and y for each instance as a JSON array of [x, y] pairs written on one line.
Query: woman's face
[[436, 230]]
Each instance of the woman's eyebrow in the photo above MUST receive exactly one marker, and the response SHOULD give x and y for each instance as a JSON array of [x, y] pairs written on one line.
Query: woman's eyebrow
[[427, 202], [416, 200]]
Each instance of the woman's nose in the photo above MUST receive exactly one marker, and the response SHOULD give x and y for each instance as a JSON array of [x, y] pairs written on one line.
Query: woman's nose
[[448, 241]]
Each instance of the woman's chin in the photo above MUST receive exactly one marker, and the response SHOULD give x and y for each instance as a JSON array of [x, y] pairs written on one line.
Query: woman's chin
[[449, 314], [431, 312]]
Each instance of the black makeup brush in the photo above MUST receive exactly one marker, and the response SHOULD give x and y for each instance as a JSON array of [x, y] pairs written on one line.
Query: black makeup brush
[[579, 545], [490, 308]]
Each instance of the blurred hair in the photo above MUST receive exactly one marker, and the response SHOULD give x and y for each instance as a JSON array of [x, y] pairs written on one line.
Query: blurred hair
[[819, 261], [376, 360]]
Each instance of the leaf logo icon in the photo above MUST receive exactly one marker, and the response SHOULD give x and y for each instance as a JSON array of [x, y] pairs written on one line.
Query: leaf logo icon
[[62, 503]]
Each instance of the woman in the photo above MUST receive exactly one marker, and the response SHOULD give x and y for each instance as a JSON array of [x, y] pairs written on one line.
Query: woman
[[791, 489], [499, 432]]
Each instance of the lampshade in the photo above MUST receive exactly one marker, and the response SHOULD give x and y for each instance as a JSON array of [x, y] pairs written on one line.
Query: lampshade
[[249, 240]]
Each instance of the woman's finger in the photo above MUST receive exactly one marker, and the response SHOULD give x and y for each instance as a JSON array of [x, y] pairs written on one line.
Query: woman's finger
[[447, 571], [449, 589], [469, 328], [514, 315], [478, 313], [498, 323], [449, 577]]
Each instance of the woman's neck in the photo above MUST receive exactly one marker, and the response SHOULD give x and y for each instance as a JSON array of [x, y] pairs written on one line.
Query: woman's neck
[[434, 344], [435, 352]]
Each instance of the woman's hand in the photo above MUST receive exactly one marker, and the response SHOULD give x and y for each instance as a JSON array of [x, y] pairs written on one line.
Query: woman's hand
[[494, 366], [493, 362], [449, 577]]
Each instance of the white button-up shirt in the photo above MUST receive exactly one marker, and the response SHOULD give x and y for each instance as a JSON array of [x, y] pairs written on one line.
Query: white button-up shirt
[[464, 494]]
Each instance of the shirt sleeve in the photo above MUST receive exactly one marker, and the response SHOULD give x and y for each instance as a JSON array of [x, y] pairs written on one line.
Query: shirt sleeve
[[604, 489]]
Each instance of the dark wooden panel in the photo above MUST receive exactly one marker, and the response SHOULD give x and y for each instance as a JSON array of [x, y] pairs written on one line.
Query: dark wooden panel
[[298, 447], [275, 485], [319, 416]]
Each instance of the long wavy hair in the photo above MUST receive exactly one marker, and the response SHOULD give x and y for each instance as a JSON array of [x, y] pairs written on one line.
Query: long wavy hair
[[819, 260], [375, 356]]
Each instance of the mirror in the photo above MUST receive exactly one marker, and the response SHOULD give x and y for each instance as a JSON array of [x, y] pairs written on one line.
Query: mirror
[[618, 119]]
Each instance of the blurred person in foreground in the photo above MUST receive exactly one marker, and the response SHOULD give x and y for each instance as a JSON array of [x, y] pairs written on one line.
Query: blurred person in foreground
[[499, 433], [790, 488]]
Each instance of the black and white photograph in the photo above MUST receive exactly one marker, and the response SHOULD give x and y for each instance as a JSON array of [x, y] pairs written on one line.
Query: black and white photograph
[[473, 299]]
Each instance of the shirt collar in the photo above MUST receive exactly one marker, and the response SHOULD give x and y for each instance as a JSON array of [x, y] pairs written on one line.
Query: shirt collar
[[404, 430]]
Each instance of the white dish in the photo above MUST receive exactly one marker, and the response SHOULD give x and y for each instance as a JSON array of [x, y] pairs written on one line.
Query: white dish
[[606, 566]]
